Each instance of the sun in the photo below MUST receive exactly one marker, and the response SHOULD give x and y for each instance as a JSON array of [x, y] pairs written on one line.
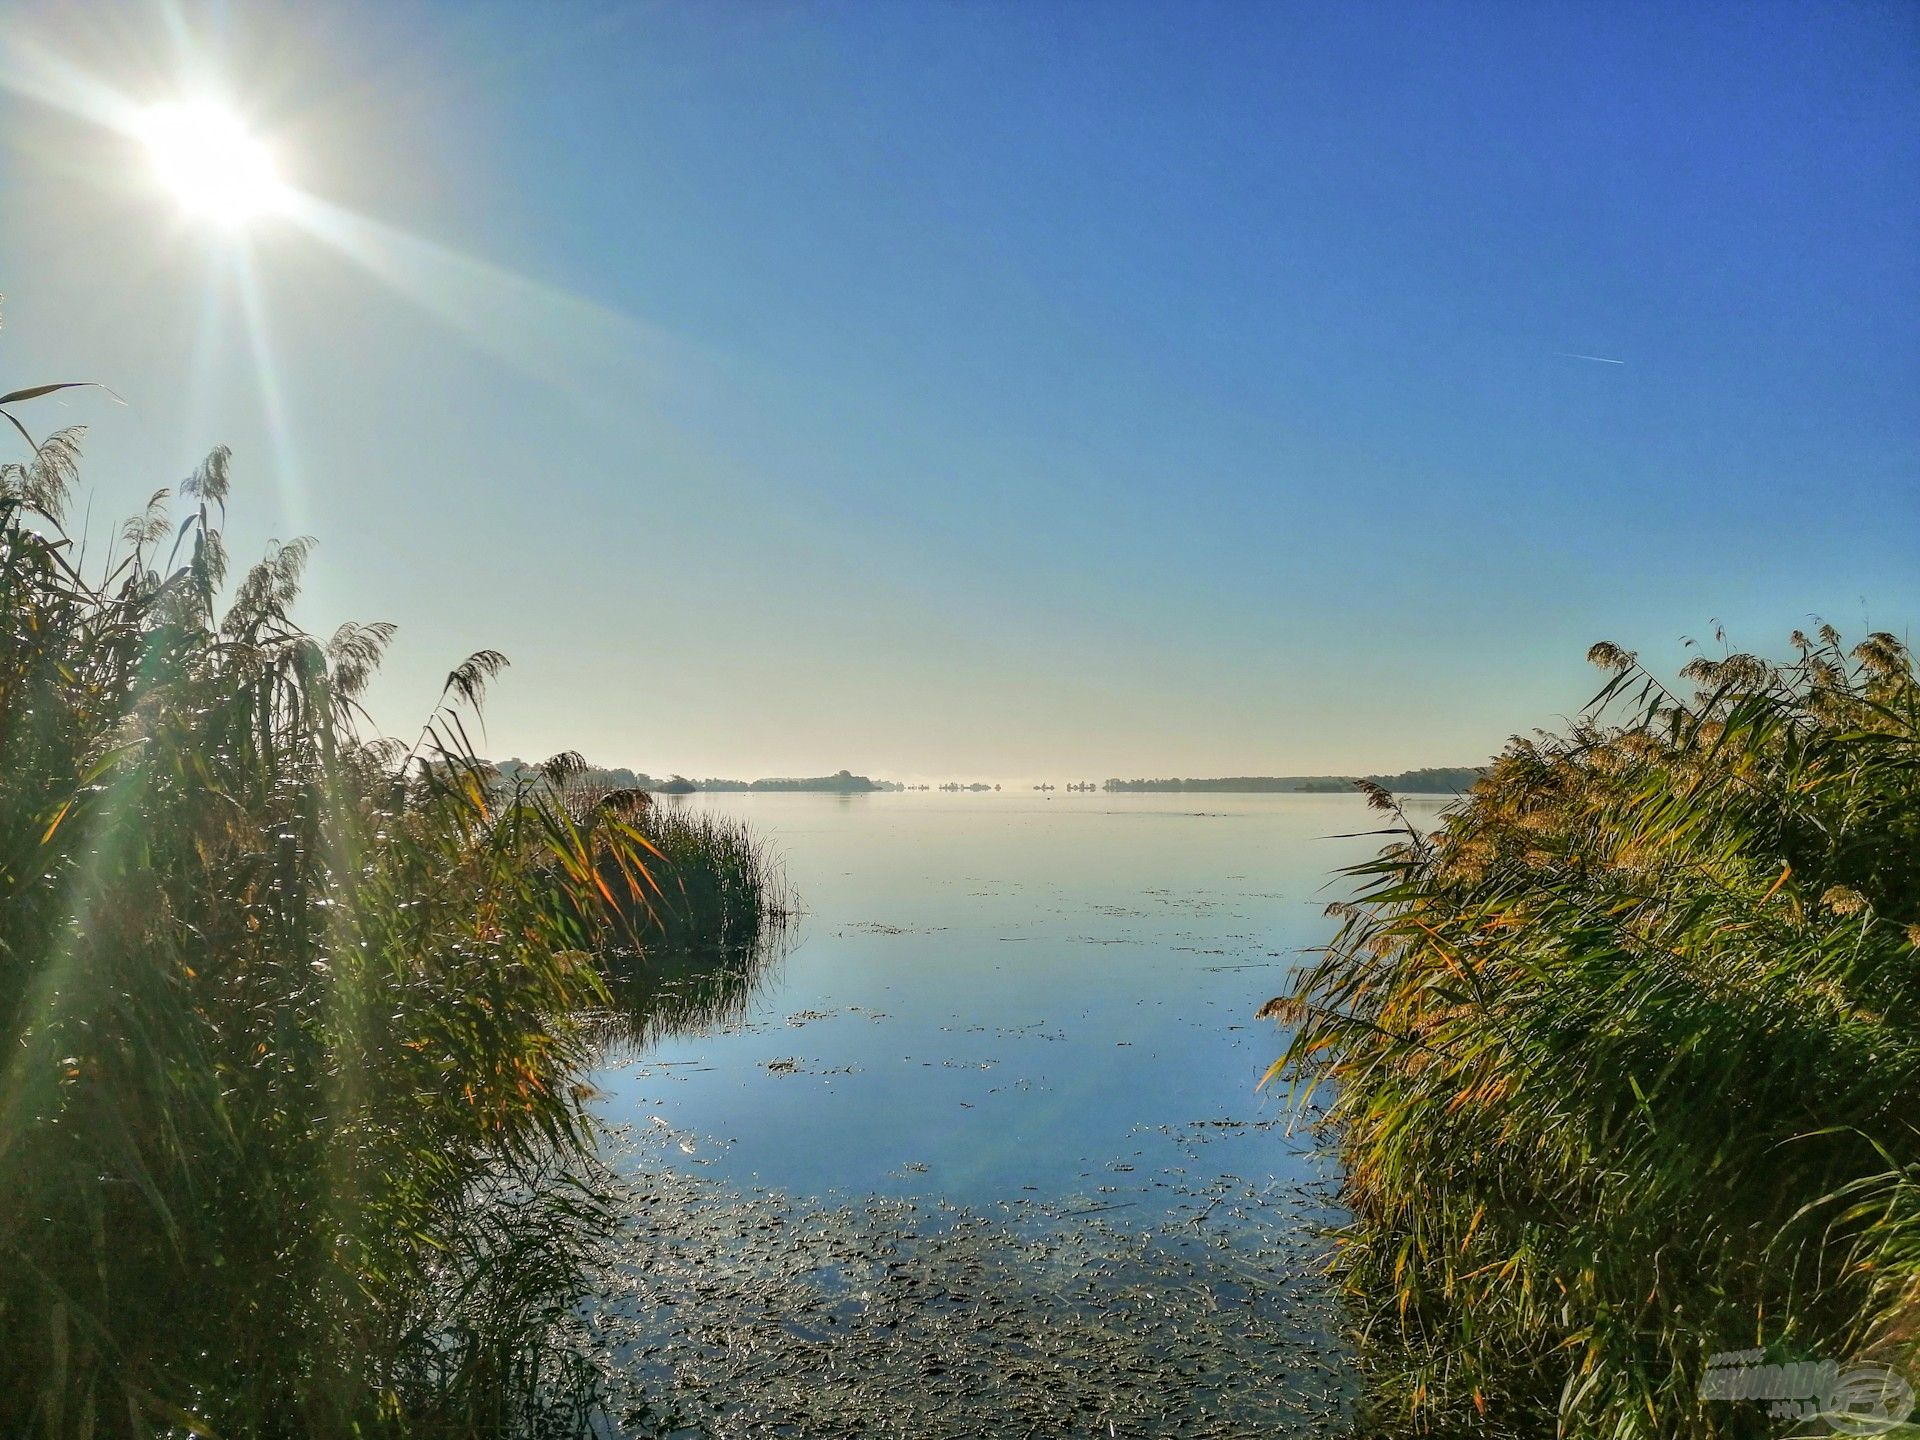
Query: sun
[[216, 169]]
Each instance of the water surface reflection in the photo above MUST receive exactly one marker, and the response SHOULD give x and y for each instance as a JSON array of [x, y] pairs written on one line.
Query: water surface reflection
[[995, 1110]]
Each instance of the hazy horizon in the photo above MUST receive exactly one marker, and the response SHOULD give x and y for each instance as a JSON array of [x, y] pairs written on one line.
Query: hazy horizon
[[1006, 391], [1024, 783]]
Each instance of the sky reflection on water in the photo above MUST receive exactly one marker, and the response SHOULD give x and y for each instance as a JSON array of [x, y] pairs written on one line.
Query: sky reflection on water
[[998, 999]]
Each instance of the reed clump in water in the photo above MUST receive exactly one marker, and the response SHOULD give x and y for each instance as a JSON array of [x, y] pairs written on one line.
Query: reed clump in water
[[690, 936], [1624, 1057], [721, 920], [290, 1136], [721, 886]]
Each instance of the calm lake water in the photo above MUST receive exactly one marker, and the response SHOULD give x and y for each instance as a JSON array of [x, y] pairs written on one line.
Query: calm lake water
[[1007, 1010]]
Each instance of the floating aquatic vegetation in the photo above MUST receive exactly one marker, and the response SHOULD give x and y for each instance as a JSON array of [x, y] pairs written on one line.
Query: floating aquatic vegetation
[[756, 1314]]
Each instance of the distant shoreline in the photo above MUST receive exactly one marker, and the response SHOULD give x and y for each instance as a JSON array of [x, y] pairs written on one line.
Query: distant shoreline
[[1435, 780]]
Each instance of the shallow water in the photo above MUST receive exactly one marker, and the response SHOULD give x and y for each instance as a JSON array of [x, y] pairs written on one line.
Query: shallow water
[[1026, 1024]]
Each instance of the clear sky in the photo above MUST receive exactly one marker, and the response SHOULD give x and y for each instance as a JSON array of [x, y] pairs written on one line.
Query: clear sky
[[1005, 391]]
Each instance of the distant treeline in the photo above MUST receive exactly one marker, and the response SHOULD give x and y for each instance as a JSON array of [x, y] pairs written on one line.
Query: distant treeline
[[838, 783], [1435, 780], [621, 778]]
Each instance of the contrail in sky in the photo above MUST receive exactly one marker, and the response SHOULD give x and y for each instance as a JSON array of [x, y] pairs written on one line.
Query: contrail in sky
[[1597, 359]]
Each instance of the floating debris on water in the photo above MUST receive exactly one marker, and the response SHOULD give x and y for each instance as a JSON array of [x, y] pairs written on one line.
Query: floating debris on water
[[724, 1314]]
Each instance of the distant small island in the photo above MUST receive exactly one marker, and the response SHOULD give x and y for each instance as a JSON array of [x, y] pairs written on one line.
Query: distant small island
[[1438, 780], [841, 782]]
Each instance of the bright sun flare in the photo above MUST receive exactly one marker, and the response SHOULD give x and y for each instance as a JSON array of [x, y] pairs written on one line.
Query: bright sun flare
[[204, 155]]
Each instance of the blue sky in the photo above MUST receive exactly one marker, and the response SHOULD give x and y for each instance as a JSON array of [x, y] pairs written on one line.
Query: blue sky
[[1018, 391]]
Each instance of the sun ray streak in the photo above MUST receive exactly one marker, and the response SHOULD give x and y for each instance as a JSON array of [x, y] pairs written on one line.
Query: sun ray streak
[[273, 402], [209, 323], [539, 330], [30, 69]]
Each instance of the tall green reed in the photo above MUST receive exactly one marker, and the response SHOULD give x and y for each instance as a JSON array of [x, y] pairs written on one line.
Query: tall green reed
[[291, 1141], [1624, 1057], [691, 937]]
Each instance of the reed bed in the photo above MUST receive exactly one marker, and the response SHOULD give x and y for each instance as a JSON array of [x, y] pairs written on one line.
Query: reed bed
[[722, 887], [689, 937], [1624, 1062], [291, 1140]]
